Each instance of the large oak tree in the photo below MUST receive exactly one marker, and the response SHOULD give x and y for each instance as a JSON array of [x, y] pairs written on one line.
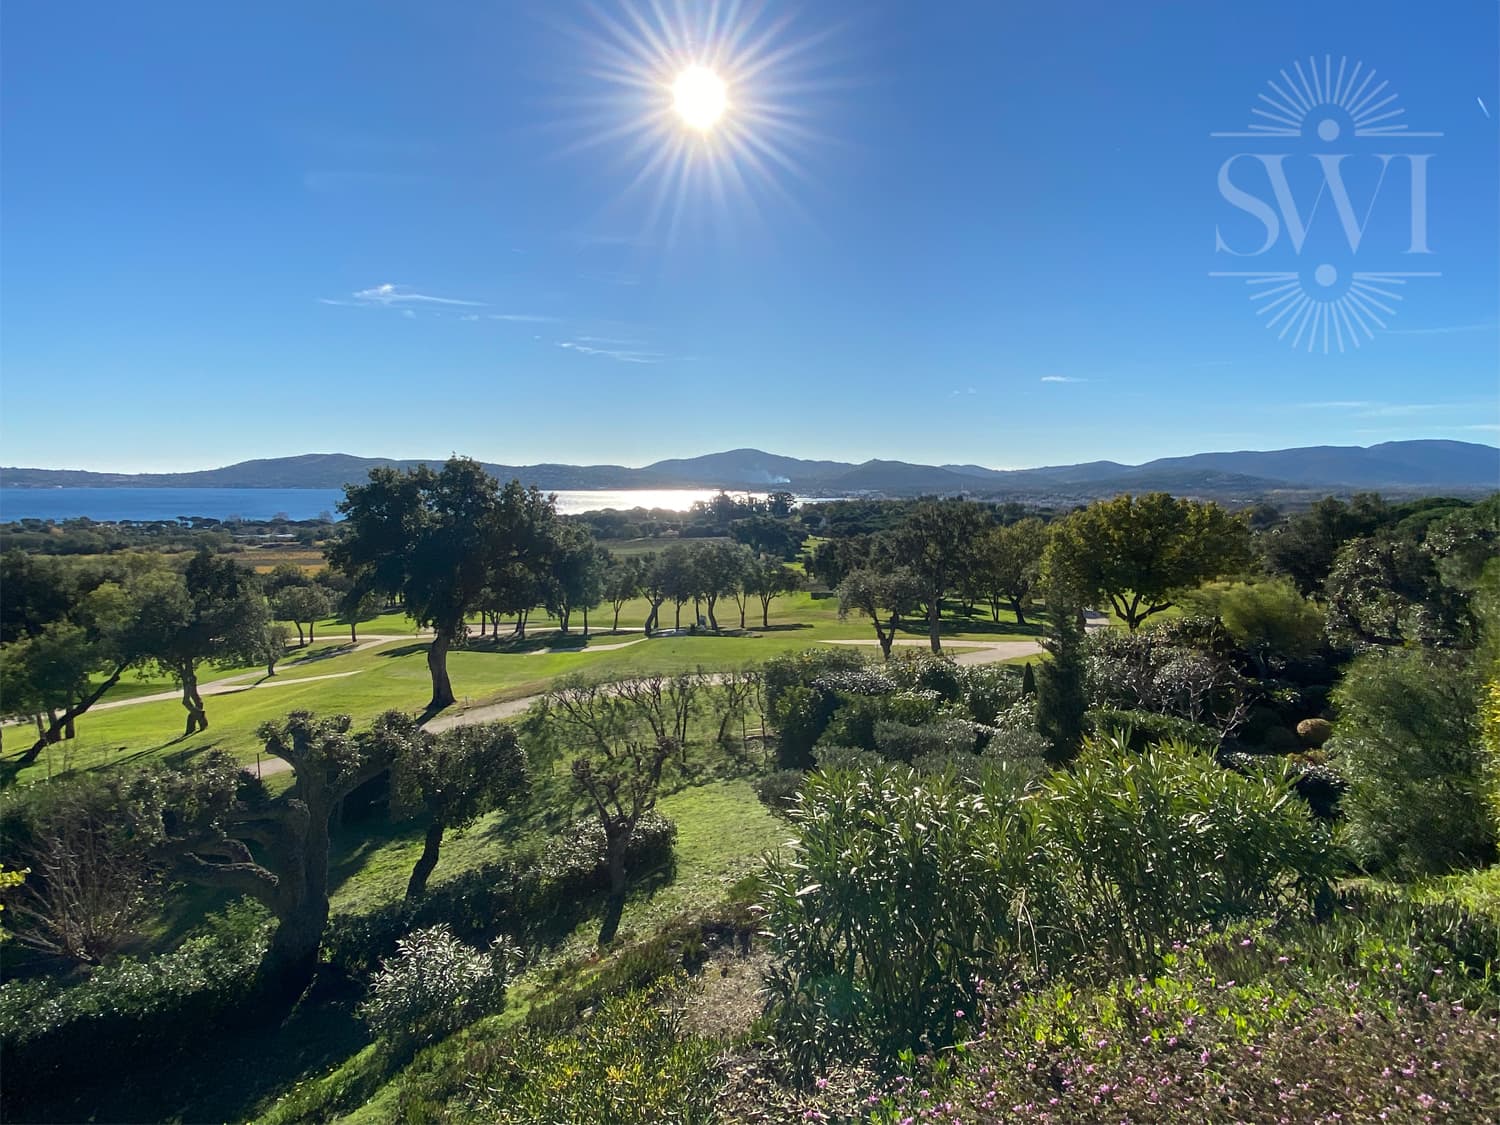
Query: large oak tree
[[436, 540], [1137, 552]]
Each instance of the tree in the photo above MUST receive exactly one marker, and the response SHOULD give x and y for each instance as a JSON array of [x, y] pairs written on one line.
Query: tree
[[214, 613], [1008, 565], [357, 605], [1137, 552], [767, 536], [617, 771], [273, 646], [622, 582], [38, 591], [893, 593], [936, 541], [208, 820], [65, 666], [436, 540], [576, 573], [1386, 592], [298, 604], [1061, 691], [719, 569], [457, 777], [768, 579], [674, 572], [655, 577], [1271, 619], [1305, 547]]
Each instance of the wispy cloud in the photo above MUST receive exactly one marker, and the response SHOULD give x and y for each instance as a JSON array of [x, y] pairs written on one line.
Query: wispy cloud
[[1062, 379], [1337, 404], [523, 318], [965, 391], [622, 351], [397, 296]]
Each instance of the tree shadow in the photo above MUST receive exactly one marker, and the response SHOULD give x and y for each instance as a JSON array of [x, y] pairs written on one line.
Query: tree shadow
[[404, 650], [783, 628]]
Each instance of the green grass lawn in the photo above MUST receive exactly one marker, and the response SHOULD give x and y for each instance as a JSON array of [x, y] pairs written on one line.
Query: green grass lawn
[[394, 675]]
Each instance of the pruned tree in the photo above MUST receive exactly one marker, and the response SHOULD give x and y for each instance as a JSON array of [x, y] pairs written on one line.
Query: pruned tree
[[674, 571], [654, 585], [892, 594], [621, 780], [456, 777], [213, 815]]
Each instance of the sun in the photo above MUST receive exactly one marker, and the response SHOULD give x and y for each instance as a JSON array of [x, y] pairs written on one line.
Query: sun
[[700, 97]]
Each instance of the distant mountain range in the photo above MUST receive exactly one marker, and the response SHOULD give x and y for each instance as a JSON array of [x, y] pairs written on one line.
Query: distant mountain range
[[1392, 467]]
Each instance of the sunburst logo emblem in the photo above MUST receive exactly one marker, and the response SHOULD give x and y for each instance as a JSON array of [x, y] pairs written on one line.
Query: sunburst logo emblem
[[1311, 120]]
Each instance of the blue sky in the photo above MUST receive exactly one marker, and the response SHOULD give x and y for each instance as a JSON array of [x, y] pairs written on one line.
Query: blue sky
[[940, 232]]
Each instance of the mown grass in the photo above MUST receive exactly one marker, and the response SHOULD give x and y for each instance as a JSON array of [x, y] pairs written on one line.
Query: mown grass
[[331, 676]]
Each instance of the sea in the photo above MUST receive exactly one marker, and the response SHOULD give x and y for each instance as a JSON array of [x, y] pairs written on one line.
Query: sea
[[114, 504]]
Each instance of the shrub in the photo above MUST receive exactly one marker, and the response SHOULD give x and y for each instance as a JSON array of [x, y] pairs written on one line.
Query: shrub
[[1408, 740], [902, 889], [51, 1029], [1314, 732], [578, 861], [434, 985], [1156, 846], [1146, 728], [927, 673], [778, 790], [989, 689], [904, 742]]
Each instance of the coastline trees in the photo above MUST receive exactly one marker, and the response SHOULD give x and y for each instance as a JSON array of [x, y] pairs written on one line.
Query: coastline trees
[[936, 541]]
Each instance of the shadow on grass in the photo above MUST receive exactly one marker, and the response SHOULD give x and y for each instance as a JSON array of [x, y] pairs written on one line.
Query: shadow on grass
[[404, 650]]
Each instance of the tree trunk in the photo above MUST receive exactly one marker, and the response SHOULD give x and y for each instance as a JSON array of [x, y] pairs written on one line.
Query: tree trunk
[[615, 847], [765, 613], [886, 638], [713, 622], [353, 633], [300, 640], [742, 617], [428, 860], [563, 616], [934, 623], [311, 625], [1015, 604], [196, 718], [585, 621], [677, 624], [437, 665], [616, 628]]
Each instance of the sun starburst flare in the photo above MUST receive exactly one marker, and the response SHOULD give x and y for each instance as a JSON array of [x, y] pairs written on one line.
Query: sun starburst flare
[[707, 109]]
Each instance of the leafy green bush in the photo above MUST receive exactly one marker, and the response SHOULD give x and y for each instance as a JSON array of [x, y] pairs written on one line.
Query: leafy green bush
[[902, 888], [1153, 847], [798, 705], [905, 742], [49, 1028], [577, 860], [434, 985], [1408, 738], [989, 689], [1146, 728], [778, 790], [628, 1064]]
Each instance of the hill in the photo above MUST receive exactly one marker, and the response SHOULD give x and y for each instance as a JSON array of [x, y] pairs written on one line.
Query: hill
[[1394, 467]]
